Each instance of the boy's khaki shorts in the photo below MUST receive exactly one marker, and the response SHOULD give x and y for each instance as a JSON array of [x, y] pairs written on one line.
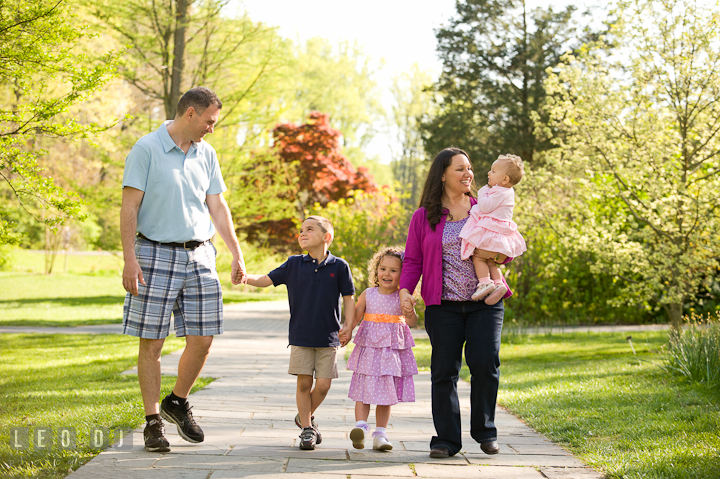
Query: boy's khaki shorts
[[306, 361]]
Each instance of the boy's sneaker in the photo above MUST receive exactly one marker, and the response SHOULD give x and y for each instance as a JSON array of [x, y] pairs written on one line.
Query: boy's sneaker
[[299, 424], [312, 423], [308, 439], [154, 435], [381, 443], [183, 419], [357, 436], [483, 290]]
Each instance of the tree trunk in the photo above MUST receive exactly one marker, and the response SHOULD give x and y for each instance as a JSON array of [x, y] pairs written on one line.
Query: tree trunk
[[178, 58], [674, 312]]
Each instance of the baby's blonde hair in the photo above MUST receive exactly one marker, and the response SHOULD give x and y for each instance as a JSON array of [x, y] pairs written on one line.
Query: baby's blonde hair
[[514, 168], [394, 251]]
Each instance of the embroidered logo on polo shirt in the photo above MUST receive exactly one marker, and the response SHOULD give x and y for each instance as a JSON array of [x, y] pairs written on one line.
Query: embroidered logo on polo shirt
[[332, 275]]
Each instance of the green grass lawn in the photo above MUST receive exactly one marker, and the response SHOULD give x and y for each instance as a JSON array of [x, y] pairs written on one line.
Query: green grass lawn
[[623, 415], [90, 263], [71, 381], [59, 300], [91, 292]]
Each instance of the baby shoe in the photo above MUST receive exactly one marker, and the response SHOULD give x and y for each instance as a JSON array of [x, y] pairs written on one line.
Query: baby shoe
[[497, 295], [381, 443], [357, 436], [483, 290]]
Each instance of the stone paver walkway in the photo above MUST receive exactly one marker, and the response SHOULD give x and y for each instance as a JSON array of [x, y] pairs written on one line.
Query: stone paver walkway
[[247, 415]]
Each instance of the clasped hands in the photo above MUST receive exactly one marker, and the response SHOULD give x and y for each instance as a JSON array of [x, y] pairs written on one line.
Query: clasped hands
[[407, 303], [408, 307], [238, 274], [345, 335]]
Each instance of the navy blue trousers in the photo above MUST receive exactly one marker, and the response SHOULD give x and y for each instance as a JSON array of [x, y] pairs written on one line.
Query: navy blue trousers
[[476, 326]]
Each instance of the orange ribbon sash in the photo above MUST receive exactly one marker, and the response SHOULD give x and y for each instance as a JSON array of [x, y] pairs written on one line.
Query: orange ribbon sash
[[384, 318]]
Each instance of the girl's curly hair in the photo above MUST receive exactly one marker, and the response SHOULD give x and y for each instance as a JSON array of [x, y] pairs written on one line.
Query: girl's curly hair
[[394, 251]]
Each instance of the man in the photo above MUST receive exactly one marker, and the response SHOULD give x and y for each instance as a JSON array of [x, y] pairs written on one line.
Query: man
[[172, 181]]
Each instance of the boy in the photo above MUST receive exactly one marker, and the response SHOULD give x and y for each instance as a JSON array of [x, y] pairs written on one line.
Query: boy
[[315, 283]]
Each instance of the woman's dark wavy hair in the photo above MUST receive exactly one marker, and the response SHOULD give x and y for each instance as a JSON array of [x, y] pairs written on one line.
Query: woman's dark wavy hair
[[431, 198]]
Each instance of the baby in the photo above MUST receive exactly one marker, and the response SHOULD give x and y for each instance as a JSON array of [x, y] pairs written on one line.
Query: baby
[[490, 227]]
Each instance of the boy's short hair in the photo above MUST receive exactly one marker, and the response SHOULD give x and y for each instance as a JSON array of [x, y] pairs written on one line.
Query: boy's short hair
[[325, 225], [515, 169]]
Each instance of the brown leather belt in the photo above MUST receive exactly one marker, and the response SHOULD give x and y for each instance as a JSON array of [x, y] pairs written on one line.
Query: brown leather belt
[[186, 245]]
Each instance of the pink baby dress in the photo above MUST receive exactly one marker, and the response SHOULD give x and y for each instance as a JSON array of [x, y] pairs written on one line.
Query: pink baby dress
[[382, 362], [490, 226]]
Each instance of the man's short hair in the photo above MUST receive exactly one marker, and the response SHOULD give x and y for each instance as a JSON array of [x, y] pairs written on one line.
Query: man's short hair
[[325, 225], [199, 98]]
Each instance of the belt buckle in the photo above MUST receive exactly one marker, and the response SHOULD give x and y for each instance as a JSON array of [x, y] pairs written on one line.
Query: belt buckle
[[197, 244]]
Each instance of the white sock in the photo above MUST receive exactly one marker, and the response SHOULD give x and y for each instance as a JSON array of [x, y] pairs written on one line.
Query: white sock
[[362, 424], [380, 431]]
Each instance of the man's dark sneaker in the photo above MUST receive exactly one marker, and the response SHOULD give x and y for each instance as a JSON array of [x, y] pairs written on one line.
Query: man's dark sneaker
[[312, 423], [308, 439], [154, 435], [182, 417]]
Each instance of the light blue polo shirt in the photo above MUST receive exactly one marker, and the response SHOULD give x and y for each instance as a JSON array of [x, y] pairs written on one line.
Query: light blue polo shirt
[[173, 208]]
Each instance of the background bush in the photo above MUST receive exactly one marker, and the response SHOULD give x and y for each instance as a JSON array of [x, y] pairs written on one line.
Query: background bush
[[694, 351]]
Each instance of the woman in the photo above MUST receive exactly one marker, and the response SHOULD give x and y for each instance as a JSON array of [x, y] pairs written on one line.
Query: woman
[[452, 320]]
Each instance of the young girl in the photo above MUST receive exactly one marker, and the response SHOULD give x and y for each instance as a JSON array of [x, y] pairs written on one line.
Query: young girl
[[491, 228], [382, 362]]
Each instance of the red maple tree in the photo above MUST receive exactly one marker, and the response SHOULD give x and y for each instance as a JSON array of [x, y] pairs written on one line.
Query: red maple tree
[[324, 175]]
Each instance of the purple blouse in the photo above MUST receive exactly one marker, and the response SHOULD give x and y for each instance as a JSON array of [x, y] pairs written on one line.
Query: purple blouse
[[459, 278]]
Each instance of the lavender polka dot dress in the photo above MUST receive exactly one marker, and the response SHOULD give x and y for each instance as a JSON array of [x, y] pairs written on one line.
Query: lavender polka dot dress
[[382, 362]]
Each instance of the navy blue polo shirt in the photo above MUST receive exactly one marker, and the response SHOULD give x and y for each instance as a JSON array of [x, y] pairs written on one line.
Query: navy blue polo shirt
[[315, 294]]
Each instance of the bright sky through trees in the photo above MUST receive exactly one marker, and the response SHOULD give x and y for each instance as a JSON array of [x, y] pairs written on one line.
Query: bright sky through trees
[[401, 32]]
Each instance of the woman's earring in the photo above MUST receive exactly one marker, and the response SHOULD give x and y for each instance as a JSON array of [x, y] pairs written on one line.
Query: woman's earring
[[442, 187]]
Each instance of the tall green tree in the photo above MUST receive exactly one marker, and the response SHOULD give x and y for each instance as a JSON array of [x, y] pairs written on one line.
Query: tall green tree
[[338, 80], [495, 56], [41, 77], [639, 155], [412, 102], [157, 34], [174, 45]]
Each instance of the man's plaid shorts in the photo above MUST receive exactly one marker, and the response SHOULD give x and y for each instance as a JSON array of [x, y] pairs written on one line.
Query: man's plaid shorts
[[179, 281]]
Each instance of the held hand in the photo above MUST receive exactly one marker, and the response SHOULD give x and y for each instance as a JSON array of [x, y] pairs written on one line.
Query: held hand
[[408, 307], [131, 275], [238, 274], [485, 255], [345, 336], [405, 296]]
